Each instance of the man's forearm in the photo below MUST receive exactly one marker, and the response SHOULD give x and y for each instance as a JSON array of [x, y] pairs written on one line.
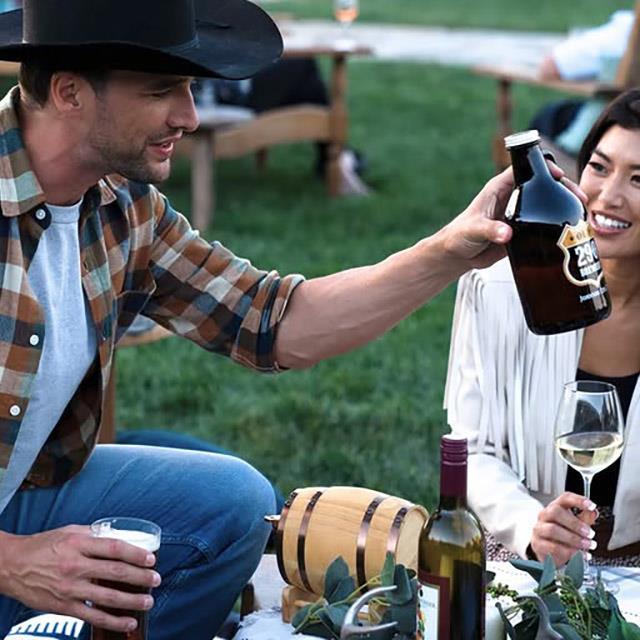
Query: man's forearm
[[7, 544], [329, 316], [334, 314]]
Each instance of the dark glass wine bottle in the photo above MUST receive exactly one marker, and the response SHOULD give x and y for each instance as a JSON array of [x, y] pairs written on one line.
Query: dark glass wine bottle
[[451, 557], [553, 255]]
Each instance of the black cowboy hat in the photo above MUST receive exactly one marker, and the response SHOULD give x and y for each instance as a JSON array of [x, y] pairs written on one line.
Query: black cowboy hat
[[210, 38]]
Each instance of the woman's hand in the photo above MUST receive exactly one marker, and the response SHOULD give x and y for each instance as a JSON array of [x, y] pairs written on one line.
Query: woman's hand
[[560, 533]]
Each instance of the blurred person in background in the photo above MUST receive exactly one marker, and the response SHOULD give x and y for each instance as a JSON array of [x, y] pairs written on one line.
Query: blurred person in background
[[587, 54]]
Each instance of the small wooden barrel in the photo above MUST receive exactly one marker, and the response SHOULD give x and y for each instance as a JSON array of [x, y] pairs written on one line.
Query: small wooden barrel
[[317, 525]]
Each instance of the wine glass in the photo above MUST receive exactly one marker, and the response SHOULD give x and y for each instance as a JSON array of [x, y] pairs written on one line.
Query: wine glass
[[345, 12], [589, 434]]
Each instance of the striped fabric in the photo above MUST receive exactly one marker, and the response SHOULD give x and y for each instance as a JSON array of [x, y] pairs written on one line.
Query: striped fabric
[[47, 627], [136, 253]]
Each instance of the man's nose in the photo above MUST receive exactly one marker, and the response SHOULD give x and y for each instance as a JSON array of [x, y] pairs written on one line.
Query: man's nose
[[184, 114]]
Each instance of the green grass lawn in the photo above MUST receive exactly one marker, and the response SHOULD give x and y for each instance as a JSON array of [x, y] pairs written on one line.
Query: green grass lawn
[[372, 417], [545, 15]]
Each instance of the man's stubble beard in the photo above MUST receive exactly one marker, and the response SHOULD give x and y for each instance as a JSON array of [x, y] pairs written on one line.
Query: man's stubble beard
[[121, 158]]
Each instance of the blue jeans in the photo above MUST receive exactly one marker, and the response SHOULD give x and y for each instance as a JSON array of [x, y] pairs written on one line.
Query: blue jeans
[[210, 508]]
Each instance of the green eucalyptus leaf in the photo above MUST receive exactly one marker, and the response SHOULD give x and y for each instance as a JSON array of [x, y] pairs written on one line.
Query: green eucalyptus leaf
[[327, 622], [337, 613], [553, 603], [558, 617], [532, 567], [386, 575], [403, 593], [618, 624], [567, 631], [405, 616], [342, 590], [336, 571], [548, 572], [575, 569], [300, 616], [620, 629], [614, 630]]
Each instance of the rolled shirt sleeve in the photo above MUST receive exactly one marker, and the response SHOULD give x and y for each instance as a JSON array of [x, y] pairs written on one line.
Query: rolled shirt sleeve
[[207, 294]]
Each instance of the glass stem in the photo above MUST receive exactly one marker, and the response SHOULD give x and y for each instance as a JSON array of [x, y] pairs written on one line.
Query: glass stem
[[586, 481]]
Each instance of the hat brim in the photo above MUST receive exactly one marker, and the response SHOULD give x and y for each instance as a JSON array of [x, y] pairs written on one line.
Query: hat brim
[[235, 39]]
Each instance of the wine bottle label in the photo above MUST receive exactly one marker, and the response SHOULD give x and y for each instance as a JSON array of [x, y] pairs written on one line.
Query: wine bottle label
[[433, 608], [581, 263]]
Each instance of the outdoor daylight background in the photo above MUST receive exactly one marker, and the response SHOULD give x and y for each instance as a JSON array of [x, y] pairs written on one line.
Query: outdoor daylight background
[[371, 418]]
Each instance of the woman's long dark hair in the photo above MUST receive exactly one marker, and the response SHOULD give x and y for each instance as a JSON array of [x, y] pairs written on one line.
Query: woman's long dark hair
[[623, 111]]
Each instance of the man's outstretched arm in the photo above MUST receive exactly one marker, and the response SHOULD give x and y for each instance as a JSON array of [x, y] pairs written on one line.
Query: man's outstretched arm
[[331, 315]]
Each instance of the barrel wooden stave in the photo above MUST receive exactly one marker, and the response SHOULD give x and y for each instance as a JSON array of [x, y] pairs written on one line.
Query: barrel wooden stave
[[321, 524]]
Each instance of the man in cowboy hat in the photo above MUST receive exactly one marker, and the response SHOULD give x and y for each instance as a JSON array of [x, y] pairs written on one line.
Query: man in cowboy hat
[[86, 242]]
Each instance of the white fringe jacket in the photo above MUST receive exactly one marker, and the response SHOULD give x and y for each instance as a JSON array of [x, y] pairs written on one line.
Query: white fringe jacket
[[503, 387]]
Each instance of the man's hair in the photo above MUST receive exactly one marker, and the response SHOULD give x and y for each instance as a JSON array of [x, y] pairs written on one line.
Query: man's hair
[[624, 111], [35, 80]]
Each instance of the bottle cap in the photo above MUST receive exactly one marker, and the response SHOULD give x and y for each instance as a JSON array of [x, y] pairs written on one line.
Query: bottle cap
[[453, 449], [521, 138]]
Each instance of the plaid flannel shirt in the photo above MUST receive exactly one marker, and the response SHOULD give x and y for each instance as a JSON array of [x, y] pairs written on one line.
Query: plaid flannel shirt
[[136, 253]]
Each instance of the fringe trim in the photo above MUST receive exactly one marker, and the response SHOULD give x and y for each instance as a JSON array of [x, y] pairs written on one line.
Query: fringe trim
[[518, 375]]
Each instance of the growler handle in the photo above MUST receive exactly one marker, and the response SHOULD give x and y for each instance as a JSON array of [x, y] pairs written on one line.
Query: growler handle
[[349, 628], [545, 630]]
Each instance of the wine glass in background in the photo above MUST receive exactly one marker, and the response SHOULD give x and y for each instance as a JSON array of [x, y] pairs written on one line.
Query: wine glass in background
[[345, 12], [589, 433]]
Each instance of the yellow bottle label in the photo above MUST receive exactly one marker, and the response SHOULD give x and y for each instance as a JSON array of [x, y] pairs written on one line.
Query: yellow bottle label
[[581, 265]]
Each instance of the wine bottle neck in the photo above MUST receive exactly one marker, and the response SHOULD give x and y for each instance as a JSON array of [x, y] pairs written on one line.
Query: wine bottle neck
[[453, 485], [528, 161]]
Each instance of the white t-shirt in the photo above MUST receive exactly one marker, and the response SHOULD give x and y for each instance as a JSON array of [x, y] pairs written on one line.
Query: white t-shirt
[[68, 341]]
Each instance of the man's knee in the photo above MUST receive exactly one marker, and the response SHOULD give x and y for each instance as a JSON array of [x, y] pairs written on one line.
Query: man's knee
[[252, 495]]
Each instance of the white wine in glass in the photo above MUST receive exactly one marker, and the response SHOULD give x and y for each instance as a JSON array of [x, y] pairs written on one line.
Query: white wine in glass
[[589, 433]]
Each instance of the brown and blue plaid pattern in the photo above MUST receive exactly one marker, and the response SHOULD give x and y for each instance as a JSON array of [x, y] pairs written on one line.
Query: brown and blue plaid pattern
[[136, 253]]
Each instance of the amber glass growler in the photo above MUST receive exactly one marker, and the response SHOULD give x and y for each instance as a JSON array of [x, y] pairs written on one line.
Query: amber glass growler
[[553, 255]]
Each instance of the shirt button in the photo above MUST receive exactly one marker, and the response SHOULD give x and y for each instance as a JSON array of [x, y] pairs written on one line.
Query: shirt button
[[41, 214], [14, 410], [34, 340]]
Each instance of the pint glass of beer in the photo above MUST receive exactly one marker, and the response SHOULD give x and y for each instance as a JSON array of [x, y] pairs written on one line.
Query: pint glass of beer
[[140, 533]]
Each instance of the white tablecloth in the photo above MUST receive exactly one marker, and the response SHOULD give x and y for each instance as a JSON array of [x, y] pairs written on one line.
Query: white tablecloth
[[267, 624]]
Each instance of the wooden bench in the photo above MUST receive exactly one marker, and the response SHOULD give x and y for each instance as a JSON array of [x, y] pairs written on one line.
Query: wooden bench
[[627, 76], [222, 137]]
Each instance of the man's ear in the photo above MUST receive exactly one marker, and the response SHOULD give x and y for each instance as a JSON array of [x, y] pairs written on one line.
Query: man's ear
[[67, 91]]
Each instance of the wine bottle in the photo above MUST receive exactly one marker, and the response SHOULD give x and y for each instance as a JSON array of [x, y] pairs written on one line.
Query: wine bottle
[[451, 557], [552, 252]]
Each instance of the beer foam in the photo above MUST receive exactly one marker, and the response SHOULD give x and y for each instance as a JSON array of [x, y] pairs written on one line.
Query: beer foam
[[146, 541]]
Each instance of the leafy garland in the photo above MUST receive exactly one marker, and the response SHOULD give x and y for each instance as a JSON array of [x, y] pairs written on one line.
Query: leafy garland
[[324, 618], [592, 614]]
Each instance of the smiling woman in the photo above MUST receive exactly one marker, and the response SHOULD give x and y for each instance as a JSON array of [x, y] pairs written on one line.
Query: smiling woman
[[504, 383]]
